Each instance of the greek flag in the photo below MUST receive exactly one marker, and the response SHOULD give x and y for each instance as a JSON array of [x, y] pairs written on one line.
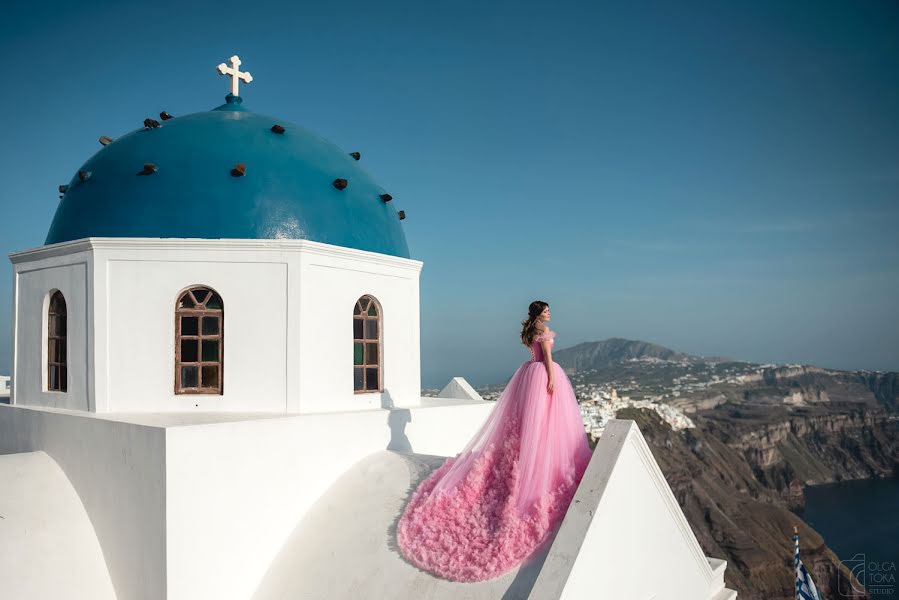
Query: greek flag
[[805, 587]]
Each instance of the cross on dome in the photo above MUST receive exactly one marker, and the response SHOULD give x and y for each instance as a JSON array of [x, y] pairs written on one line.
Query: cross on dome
[[235, 73]]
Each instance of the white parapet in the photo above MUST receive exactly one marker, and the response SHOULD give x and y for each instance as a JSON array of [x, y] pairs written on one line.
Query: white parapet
[[238, 506], [626, 533], [458, 387], [198, 505]]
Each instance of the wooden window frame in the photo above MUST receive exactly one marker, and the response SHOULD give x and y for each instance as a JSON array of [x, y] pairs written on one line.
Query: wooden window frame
[[200, 310], [62, 366], [364, 316]]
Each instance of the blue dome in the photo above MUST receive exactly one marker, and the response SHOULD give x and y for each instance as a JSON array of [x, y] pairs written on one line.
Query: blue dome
[[286, 192]]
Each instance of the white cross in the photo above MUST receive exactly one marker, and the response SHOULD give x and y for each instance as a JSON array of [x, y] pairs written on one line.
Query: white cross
[[235, 73]]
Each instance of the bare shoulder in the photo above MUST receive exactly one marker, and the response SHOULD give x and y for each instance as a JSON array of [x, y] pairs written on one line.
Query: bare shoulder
[[540, 327]]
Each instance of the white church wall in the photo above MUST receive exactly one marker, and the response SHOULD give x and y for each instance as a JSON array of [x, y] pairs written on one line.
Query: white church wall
[[35, 280], [331, 283], [288, 338], [118, 471], [141, 297]]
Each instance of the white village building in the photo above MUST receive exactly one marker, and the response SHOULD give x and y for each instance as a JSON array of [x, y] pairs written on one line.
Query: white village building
[[216, 392]]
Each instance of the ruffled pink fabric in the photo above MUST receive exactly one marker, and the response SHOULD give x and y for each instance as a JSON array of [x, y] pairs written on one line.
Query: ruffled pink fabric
[[547, 335], [487, 509]]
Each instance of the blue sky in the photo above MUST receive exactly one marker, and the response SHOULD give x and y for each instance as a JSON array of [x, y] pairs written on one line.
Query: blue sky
[[718, 178]]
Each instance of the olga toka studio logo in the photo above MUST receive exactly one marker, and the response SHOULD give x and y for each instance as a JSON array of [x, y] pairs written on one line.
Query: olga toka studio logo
[[877, 577]]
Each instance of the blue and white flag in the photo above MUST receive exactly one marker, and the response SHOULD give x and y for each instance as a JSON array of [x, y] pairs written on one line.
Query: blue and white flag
[[805, 587]]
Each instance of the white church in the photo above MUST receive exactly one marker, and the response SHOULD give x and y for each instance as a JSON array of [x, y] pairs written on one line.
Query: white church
[[216, 392]]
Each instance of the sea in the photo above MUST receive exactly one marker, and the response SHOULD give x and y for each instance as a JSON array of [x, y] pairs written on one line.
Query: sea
[[860, 522]]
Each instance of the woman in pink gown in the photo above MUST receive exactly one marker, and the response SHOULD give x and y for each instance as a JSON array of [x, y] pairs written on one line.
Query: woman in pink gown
[[490, 507]]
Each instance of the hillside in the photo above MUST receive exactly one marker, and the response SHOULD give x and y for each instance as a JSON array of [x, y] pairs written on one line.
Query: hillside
[[611, 351]]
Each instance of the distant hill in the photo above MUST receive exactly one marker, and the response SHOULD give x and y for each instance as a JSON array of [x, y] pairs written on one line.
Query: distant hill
[[612, 351]]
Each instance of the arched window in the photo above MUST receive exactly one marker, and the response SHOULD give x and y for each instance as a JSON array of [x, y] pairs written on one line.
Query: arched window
[[57, 373], [199, 329], [366, 346]]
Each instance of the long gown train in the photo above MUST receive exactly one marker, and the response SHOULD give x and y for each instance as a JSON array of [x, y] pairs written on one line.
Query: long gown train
[[490, 507]]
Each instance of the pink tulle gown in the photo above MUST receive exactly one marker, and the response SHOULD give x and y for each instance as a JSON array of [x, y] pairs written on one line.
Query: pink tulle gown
[[489, 508]]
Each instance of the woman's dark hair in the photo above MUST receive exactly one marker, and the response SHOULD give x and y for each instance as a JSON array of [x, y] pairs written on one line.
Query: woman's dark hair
[[529, 325]]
